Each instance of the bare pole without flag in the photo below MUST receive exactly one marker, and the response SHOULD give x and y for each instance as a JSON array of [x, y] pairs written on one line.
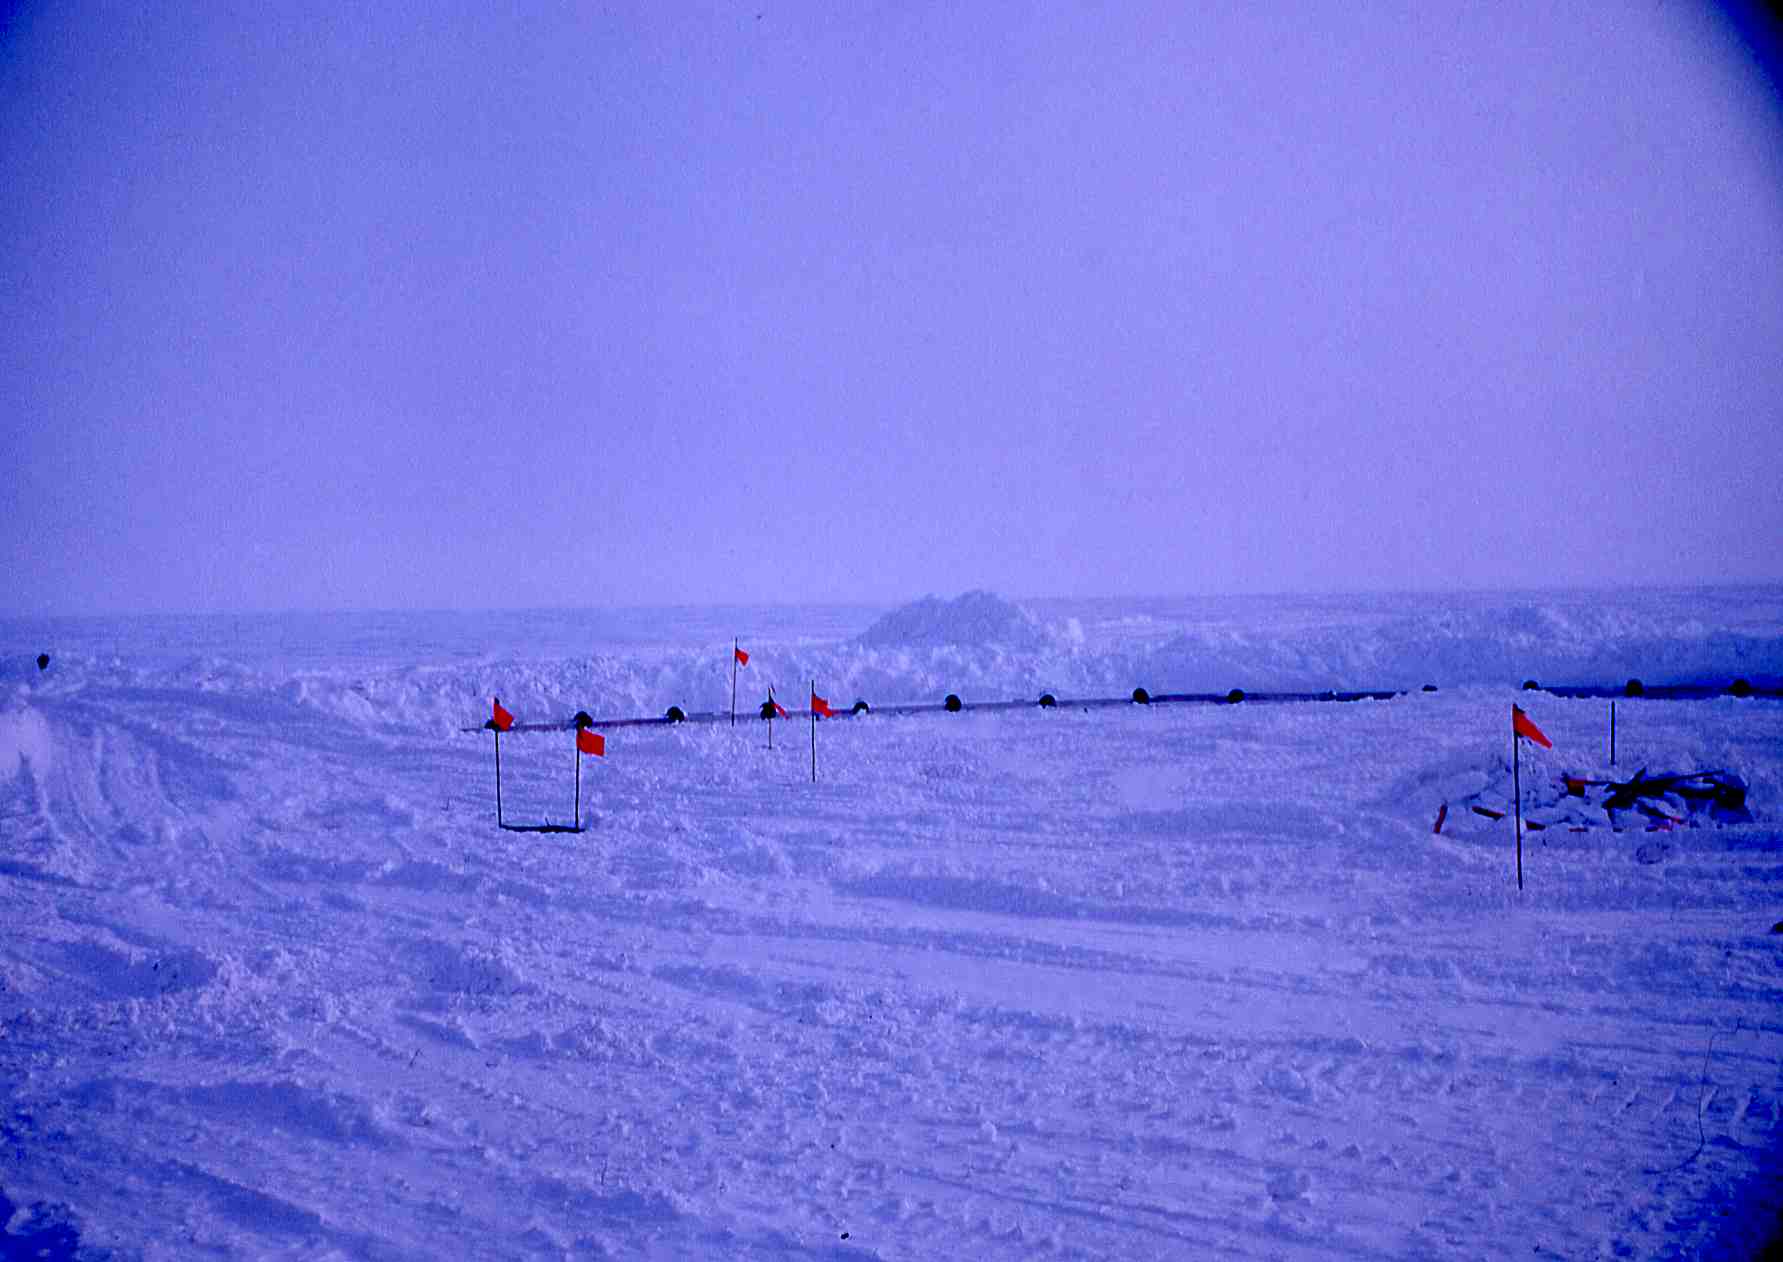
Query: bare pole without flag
[[1612, 731]]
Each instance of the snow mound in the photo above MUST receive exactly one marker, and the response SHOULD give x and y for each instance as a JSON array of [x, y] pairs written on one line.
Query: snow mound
[[976, 618], [23, 737]]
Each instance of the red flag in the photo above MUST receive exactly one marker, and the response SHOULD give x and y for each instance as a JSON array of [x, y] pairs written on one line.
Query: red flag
[[822, 707], [591, 742], [502, 719], [779, 710], [742, 657], [1523, 726]]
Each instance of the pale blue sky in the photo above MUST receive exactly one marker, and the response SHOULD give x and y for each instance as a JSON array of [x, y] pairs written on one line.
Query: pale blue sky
[[411, 305]]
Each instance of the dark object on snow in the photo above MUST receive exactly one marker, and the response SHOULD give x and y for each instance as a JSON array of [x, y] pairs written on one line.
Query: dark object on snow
[[1778, 927], [583, 719], [952, 703], [1634, 688], [43, 661], [1141, 697], [1529, 685], [676, 714], [1429, 688], [1237, 695], [1048, 701], [1739, 688], [767, 708], [1722, 792], [42, 1230], [861, 707]]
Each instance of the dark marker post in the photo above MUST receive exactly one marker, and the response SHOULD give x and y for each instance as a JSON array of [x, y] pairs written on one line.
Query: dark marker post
[[813, 731], [1612, 732], [736, 645]]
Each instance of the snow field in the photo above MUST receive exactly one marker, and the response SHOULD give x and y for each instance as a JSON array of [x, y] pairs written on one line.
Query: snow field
[[1145, 982]]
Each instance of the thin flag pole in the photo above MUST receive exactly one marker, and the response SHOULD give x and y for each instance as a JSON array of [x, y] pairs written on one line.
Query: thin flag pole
[[1517, 790], [735, 645], [1612, 732], [576, 753], [498, 822], [813, 731]]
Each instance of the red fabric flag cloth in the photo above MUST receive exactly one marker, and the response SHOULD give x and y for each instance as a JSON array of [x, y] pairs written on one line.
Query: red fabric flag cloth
[[1522, 725], [501, 718], [820, 706], [742, 657], [591, 742]]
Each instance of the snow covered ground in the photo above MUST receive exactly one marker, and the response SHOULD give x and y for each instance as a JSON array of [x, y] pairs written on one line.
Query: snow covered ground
[[1189, 981]]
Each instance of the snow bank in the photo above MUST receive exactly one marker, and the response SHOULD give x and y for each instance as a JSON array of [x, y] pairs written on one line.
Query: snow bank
[[439, 671]]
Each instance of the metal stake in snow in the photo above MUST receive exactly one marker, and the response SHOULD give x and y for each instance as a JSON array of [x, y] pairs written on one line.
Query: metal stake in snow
[[1612, 733], [498, 822], [736, 658]]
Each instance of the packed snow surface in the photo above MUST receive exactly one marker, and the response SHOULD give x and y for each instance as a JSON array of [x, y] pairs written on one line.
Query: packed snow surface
[[1167, 981]]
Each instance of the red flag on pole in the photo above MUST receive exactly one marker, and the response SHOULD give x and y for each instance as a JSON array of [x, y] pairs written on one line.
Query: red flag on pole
[[501, 718], [821, 707], [742, 657], [591, 742], [1523, 726]]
